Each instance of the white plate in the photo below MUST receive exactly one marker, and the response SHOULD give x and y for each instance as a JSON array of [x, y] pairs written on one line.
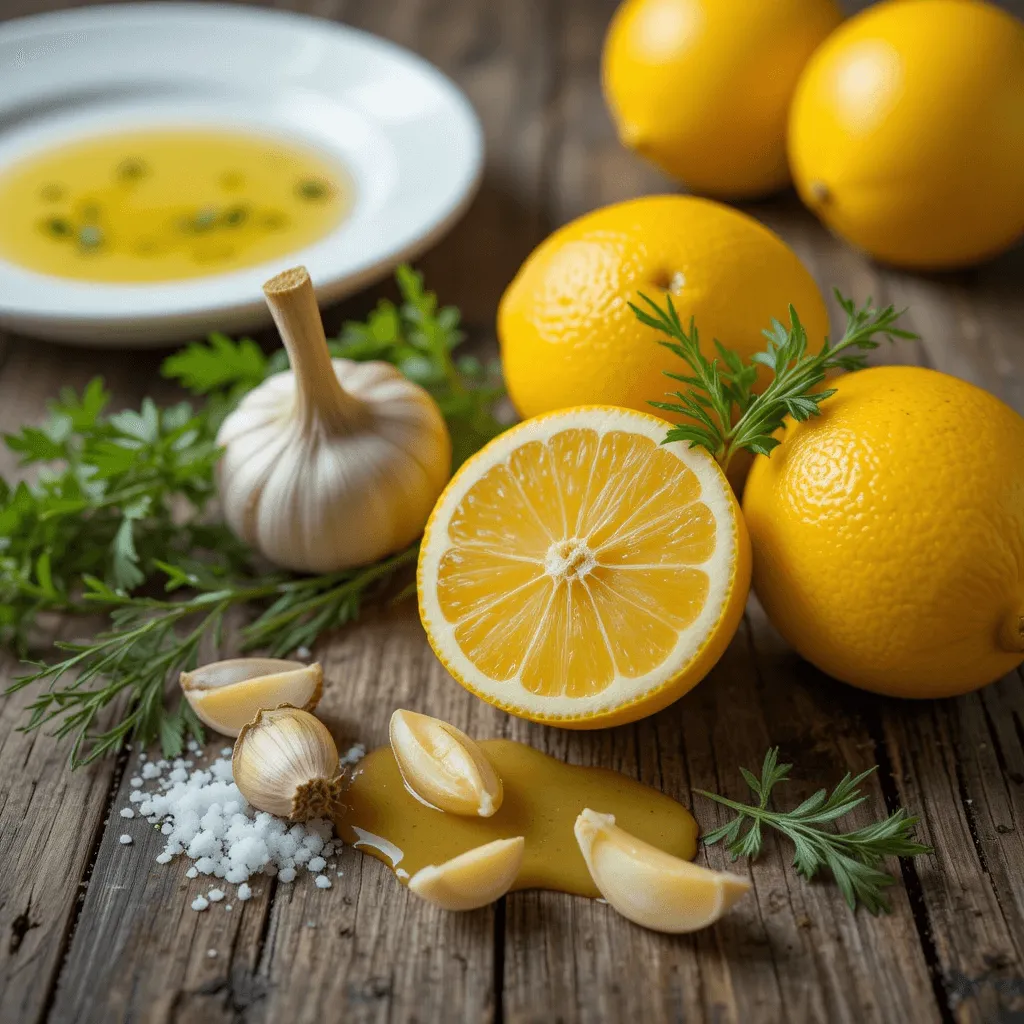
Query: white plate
[[408, 137]]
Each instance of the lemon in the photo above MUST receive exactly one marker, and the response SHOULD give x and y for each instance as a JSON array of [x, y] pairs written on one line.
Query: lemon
[[701, 88], [888, 534], [907, 132], [568, 336], [578, 572]]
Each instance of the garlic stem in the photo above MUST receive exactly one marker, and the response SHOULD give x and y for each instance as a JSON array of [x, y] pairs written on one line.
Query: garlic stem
[[321, 398]]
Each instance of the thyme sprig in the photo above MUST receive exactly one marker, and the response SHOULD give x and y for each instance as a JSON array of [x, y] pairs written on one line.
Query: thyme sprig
[[851, 857], [724, 414]]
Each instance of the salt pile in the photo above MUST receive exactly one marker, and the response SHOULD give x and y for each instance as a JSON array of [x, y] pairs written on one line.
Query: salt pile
[[205, 818]]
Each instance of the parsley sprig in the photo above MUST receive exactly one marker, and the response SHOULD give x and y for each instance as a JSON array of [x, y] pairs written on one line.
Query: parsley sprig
[[724, 414], [119, 522], [851, 857]]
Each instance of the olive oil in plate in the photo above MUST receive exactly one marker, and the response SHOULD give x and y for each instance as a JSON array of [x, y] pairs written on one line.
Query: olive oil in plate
[[167, 204]]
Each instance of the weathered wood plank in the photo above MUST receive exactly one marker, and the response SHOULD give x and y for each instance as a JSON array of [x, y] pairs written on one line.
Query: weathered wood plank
[[50, 819], [367, 949]]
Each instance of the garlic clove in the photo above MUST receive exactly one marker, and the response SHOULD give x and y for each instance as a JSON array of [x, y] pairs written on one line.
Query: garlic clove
[[227, 694], [473, 879], [286, 762], [648, 886], [443, 767]]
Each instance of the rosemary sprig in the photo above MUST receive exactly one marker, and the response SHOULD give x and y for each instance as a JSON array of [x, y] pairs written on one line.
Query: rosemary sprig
[[724, 414], [117, 522], [851, 857]]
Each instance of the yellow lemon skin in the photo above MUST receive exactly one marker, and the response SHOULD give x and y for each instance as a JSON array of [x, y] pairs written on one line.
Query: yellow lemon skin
[[702, 88], [888, 534], [568, 336], [906, 134]]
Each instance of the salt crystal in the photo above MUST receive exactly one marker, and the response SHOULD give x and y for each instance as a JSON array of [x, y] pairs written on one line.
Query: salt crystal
[[303, 653], [244, 892], [142, 756], [127, 812], [323, 882], [215, 895], [166, 828], [317, 864], [164, 858], [150, 771], [125, 840], [286, 875], [179, 774], [227, 906], [354, 754], [226, 751], [193, 872], [206, 865], [211, 953], [199, 903], [135, 782], [136, 797]]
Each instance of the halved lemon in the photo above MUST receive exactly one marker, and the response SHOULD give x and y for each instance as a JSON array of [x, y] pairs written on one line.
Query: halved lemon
[[577, 571]]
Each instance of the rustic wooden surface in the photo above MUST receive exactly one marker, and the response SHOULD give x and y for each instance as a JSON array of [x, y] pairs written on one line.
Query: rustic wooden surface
[[93, 931]]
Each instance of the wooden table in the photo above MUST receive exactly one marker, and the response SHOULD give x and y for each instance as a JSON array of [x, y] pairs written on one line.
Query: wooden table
[[94, 931]]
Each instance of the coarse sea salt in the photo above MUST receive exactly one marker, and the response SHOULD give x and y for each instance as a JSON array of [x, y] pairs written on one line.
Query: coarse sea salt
[[203, 816]]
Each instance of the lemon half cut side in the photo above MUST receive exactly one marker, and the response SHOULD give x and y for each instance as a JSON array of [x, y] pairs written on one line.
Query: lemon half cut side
[[578, 572]]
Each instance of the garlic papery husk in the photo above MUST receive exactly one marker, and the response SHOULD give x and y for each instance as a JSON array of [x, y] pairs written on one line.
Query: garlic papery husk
[[286, 762], [648, 886], [333, 464], [443, 767], [474, 878], [225, 695]]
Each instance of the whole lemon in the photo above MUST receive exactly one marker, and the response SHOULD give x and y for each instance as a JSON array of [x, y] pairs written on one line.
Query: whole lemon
[[701, 88], [907, 132], [568, 336], [888, 534]]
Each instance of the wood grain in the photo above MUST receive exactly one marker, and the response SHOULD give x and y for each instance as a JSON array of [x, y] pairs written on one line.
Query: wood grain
[[366, 950]]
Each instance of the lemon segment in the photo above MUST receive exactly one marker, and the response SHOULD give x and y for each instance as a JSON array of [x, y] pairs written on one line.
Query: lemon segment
[[576, 571]]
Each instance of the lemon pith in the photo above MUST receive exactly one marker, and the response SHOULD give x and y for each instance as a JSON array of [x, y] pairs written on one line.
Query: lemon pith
[[578, 572]]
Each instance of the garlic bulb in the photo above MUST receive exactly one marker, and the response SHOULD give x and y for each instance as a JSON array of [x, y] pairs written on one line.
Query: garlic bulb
[[332, 464], [286, 762]]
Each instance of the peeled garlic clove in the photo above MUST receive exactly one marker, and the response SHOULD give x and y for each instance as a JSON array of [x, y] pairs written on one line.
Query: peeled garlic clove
[[443, 767], [648, 886], [227, 694], [286, 762], [473, 879]]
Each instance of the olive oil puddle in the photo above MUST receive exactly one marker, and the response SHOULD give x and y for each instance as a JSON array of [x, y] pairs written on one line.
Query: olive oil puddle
[[166, 205], [542, 798]]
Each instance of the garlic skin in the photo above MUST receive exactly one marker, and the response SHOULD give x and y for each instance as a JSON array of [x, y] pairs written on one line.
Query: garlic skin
[[333, 464], [225, 695], [442, 767], [285, 762]]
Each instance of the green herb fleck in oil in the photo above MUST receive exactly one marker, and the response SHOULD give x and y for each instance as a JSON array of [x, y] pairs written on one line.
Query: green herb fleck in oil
[[90, 237], [131, 169], [274, 221], [57, 227], [314, 189], [51, 192], [234, 216]]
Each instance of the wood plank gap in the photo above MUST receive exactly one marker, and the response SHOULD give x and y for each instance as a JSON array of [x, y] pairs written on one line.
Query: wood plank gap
[[911, 879], [499, 960], [120, 764]]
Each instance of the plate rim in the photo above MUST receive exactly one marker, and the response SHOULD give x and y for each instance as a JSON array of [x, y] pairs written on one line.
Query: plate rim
[[186, 319]]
